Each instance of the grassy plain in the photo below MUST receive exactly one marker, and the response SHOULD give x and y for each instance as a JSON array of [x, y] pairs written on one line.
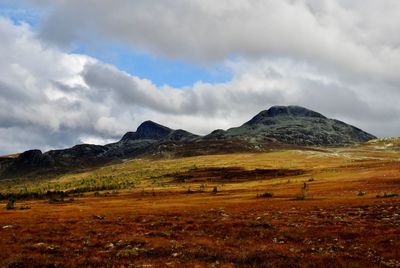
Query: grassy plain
[[204, 212]]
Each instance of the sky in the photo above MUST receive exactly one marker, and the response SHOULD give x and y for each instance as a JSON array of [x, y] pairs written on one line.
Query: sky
[[75, 71]]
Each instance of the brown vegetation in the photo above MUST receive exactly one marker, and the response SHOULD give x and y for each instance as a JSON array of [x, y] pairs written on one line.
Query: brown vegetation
[[157, 223]]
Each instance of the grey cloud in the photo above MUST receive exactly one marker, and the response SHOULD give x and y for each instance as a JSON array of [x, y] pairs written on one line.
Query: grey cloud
[[52, 99], [352, 39]]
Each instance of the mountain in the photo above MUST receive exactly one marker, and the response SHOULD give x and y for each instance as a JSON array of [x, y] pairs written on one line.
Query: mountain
[[277, 127], [148, 130], [298, 126]]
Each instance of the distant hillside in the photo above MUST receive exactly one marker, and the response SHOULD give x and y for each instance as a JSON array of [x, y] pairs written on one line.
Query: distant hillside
[[298, 126], [385, 143], [277, 127]]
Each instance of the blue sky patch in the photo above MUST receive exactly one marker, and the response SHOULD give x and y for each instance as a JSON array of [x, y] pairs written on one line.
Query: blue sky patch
[[160, 71], [18, 14]]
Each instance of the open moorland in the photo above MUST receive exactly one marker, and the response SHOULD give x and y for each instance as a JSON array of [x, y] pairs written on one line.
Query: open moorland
[[322, 207]]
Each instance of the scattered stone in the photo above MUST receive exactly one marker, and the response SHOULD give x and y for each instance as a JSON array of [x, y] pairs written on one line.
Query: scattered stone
[[99, 217], [39, 245], [109, 246]]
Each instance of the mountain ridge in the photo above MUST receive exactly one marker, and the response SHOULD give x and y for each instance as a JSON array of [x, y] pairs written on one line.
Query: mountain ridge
[[276, 127]]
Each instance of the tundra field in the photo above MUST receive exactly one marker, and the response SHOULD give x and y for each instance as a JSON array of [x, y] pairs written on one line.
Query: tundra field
[[335, 207]]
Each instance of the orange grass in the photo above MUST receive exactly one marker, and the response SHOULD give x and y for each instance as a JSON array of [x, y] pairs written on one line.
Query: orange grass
[[164, 226]]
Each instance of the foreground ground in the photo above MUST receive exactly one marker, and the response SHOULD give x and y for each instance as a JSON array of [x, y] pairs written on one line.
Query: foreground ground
[[204, 211]]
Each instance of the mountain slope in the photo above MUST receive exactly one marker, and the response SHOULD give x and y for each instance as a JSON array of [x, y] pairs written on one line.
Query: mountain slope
[[298, 126], [276, 127]]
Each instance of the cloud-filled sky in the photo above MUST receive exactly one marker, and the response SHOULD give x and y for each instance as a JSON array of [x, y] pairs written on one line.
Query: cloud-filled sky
[[75, 71]]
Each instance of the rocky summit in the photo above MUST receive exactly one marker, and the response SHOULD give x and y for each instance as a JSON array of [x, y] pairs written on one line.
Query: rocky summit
[[148, 130], [277, 127], [298, 126]]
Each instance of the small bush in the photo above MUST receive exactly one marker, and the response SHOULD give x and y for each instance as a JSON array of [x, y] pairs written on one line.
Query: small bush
[[24, 207], [261, 225], [265, 195], [10, 204], [202, 187], [214, 190], [300, 197], [388, 195], [130, 252], [189, 190], [361, 193], [55, 200]]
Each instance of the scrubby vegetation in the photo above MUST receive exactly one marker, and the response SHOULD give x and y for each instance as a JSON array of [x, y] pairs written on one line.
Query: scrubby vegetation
[[11, 203], [139, 213], [265, 195], [388, 195]]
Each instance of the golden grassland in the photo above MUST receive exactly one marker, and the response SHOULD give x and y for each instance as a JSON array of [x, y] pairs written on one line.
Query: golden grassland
[[204, 212]]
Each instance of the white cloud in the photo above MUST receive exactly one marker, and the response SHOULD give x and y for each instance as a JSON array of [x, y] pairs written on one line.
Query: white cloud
[[357, 38], [331, 56]]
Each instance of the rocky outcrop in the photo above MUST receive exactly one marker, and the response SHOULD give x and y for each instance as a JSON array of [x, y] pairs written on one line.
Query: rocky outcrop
[[148, 130]]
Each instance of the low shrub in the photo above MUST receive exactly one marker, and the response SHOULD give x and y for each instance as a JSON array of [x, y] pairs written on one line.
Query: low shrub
[[10, 204], [55, 200], [388, 195], [265, 195], [189, 190], [361, 193], [214, 190], [24, 207]]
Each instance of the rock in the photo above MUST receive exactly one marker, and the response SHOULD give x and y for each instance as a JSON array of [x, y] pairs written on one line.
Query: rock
[[30, 160], [109, 246], [40, 245]]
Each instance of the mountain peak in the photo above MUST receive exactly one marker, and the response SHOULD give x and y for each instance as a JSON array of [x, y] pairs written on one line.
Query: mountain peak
[[148, 130], [292, 110], [152, 130], [272, 128], [267, 116]]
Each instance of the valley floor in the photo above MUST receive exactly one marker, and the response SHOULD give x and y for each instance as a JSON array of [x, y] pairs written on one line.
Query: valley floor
[[203, 212]]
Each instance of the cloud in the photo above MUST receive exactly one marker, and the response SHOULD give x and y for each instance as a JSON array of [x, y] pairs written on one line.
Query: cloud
[[331, 56], [256, 85], [34, 112], [351, 39]]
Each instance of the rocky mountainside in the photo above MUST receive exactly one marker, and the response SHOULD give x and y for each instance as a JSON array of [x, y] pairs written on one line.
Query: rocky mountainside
[[277, 127], [298, 126]]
